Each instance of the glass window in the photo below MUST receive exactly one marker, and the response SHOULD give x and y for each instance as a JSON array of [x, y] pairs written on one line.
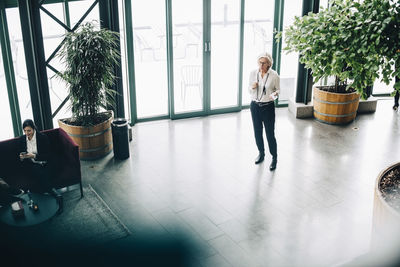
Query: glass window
[[19, 64], [188, 55], [258, 38], [78, 8], [225, 27], [383, 88], [5, 115], [52, 36], [289, 62], [323, 3], [51, 30], [149, 34]]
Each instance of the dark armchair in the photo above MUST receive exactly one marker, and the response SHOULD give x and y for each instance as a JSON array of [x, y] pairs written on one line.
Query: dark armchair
[[66, 166]]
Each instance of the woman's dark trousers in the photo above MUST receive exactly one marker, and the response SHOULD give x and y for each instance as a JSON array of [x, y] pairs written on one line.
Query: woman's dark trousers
[[40, 174], [264, 115]]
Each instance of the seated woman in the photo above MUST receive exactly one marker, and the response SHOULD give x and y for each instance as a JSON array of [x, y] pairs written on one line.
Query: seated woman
[[34, 154]]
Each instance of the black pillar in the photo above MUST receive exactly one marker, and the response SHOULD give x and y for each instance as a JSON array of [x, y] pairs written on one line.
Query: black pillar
[[109, 19], [278, 26], [304, 77], [35, 63]]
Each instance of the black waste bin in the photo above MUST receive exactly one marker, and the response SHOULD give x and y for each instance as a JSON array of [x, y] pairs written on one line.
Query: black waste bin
[[120, 137]]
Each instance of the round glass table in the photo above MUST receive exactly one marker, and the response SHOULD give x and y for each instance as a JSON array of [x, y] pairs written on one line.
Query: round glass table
[[47, 204]]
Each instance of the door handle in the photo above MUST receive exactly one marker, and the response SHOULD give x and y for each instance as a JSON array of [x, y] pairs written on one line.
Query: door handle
[[207, 46]]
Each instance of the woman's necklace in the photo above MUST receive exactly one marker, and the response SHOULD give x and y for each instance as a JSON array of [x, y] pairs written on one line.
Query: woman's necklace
[[263, 91]]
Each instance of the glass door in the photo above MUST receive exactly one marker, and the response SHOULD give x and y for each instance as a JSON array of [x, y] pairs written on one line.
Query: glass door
[[151, 78], [258, 38], [192, 54], [289, 62], [225, 41], [187, 47]]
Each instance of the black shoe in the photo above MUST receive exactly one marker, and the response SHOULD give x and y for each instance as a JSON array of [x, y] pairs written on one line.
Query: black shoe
[[395, 107], [16, 192], [59, 199], [55, 193], [259, 159], [273, 164]]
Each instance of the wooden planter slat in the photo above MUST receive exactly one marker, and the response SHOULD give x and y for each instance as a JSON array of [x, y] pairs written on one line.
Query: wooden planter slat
[[333, 108], [94, 141]]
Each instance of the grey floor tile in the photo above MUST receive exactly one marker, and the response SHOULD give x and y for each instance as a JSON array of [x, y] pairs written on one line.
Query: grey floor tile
[[232, 252], [200, 223], [216, 260], [237, 231]]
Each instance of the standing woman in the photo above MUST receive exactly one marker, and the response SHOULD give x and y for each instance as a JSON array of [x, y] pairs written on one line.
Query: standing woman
[[264, 87], [34, 150]]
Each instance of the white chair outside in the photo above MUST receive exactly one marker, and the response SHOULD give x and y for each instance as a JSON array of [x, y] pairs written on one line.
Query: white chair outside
[[191, 78]]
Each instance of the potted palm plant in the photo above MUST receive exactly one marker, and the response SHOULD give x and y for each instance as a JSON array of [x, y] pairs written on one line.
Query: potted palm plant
[[333, 43], [89, 55]]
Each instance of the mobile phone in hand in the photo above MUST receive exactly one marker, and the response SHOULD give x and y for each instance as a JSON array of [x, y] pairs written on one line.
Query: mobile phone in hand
[[22, 155], [273, 96]]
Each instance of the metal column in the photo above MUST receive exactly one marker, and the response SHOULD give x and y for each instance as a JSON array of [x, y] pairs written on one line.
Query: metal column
[[35, 63], [109, 19], [278, 27], [130, 64]]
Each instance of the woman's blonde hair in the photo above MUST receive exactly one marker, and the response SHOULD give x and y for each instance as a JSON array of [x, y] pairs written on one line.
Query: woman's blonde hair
[[267, 56]]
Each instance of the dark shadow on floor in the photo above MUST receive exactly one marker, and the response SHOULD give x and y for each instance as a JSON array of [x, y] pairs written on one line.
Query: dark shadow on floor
[[22, 248]]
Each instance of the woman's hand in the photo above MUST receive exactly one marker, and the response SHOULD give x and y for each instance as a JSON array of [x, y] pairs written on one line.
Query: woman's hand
[[255, 85], [30, 156], [27, 156]]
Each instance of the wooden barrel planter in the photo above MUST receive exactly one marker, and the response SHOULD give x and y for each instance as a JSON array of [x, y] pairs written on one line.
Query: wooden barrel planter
[[385, 220], [94, 141], [334, 108]]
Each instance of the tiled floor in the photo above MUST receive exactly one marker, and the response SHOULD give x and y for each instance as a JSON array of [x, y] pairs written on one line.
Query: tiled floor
[[197, 178]]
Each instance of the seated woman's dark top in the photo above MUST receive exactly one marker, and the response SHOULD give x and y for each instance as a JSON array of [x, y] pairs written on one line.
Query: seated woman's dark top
[[39, 168], [42, 143]]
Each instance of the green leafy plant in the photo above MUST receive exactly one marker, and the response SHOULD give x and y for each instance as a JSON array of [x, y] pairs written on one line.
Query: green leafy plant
[[382, 26], [347, 41], [89, 56]]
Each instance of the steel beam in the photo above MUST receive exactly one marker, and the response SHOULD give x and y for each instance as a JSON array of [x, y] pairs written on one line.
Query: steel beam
[[109, 19], [130, 60], [241, 48], [278, 27]]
